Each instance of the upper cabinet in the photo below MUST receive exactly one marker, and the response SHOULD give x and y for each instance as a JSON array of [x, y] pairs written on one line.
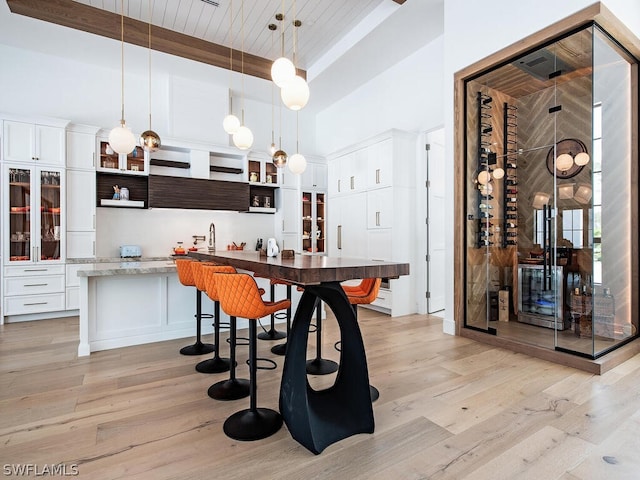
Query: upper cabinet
[[81, 150], [315, 176], [134, 163], [30, 142]]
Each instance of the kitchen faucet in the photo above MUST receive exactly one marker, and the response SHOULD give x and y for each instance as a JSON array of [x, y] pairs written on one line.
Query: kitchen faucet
[[212, 237]]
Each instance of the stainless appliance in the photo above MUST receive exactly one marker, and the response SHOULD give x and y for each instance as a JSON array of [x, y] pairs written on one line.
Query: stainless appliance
[[128, 251], [541, 295]]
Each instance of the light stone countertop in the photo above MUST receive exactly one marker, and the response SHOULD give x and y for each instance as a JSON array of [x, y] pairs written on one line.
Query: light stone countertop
[[127, 267]]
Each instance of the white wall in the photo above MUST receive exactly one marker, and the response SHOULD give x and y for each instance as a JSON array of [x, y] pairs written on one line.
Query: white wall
[[466, 40], [406, 97]]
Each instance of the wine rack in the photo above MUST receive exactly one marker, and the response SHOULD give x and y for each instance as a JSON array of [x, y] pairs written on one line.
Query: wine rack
[[486, 158], [510, 185]]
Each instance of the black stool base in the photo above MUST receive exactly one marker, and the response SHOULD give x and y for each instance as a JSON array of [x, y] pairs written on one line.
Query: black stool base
[[197, 349], [375, 393], [214, 365], [231, 389], [279, 349], [249, 425], [272, 335], [321, 366]]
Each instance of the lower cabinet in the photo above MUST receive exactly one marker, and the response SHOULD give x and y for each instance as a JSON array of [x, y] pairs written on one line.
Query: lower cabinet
[[72, 286], [34, 289]]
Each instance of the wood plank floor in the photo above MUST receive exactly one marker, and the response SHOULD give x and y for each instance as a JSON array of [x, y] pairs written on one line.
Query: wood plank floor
[[450, 408]]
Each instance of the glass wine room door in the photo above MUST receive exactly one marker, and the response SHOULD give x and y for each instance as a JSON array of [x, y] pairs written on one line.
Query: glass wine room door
[[551, 237]]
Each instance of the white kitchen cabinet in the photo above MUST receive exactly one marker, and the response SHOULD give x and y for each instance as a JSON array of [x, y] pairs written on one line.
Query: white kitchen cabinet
[[81, 151], [72, 286], [372, 214], [29, 142], [380, 164], [347, 226], [314, 221], [262, 171], [33, 213], [314, 176], [380, 207], [289, 208], [81, 213], [134, 163], [33, 289], [34, 239]]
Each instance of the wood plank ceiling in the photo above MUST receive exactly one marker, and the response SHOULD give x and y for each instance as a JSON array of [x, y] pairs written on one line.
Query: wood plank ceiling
[[200, 29]]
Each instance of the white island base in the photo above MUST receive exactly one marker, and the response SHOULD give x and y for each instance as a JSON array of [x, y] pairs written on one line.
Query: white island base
[[132, 303]]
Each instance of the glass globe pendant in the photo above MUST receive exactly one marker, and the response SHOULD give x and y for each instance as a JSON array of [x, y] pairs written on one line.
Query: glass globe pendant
[[295, 93], [282, 71], [280, 158], [243, 138], [231, 123], [122, 139], [297, 163], [150, 141]]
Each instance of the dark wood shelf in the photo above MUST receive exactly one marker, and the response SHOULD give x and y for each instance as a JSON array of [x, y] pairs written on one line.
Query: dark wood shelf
[[169, 163], [220, 169]]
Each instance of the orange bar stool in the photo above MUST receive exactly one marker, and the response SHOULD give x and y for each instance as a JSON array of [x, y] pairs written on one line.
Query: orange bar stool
[[281, 348], [272, 333], [319, 365], [363, 294], [233, 388], [185, 275], [240, 297], [202, 271]]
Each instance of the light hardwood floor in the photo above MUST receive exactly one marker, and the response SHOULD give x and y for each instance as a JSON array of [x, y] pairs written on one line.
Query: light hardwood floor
[[450, 408]]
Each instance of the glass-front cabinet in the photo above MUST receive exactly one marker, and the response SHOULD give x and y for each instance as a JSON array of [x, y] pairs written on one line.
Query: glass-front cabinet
[[313, 222], [134, 163], [551, 196], [34, 214]]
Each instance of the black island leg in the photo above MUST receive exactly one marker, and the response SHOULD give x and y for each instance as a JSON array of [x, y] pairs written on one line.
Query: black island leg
[[318, 418]]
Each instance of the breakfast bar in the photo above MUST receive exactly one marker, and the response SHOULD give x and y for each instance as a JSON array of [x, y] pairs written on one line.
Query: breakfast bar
[[316, 419]]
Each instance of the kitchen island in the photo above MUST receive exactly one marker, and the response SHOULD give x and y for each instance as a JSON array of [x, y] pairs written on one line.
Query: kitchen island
[[133, 302], [137, 301], [318, 418]]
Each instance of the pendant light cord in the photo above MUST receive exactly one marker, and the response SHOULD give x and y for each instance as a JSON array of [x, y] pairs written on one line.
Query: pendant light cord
[[150, 65], [122, 58], [242, 57], [230, 57]]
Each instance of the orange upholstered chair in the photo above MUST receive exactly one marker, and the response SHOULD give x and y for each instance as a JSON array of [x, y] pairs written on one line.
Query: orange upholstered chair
[[281, 348], [240, 297], [272, 333], [201, 272], [185, 275], [363, 293], [232, 388]]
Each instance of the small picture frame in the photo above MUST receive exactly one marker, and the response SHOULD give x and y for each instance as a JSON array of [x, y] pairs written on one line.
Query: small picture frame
[[267, 202]]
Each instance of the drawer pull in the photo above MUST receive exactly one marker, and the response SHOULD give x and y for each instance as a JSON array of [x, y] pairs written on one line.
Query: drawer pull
[[35, 270], [36, 284], [36, 303]]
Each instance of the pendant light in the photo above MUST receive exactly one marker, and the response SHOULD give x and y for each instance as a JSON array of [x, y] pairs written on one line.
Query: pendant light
[[231, 123], [272, 147], [120, 138], [243, 137], [295, 92], [279, 158], [297, 162], [150, 140], [282, 70]]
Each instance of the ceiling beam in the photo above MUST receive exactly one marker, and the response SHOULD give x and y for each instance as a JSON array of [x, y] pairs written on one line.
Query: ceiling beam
[[101, 22]]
